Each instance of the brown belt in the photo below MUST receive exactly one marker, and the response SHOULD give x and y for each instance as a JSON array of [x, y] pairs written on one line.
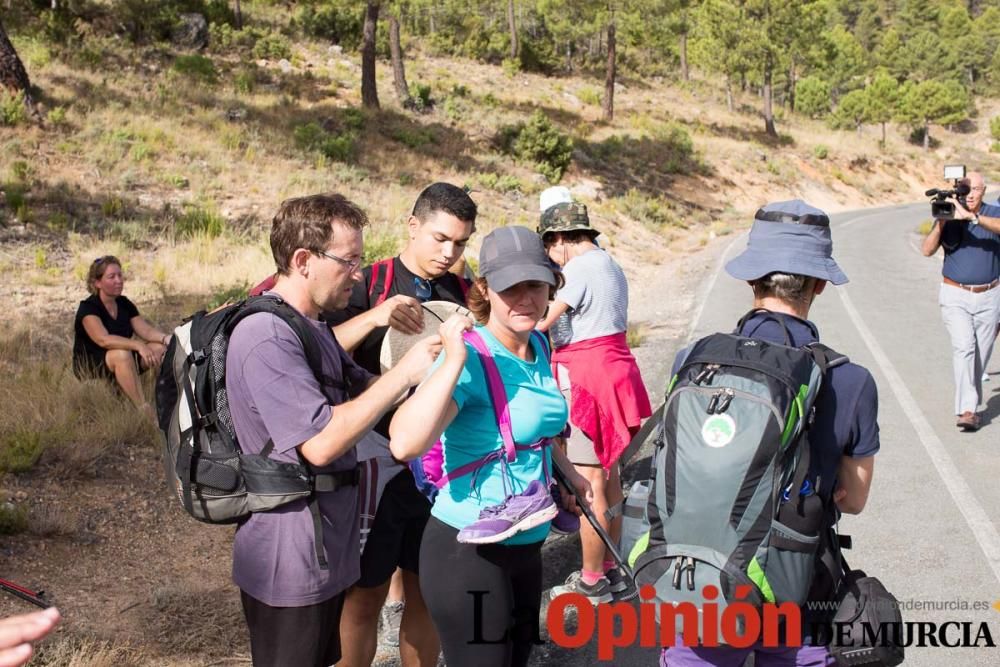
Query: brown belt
[[975, 289]]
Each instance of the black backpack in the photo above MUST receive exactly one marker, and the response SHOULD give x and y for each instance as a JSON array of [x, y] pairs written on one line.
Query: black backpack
[[215, 481]]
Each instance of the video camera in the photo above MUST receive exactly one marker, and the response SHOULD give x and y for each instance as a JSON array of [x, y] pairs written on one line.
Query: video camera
[[941, 209]]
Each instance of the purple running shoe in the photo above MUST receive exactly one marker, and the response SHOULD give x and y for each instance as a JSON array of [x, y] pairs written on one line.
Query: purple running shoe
[[519, 512], [565, 523]]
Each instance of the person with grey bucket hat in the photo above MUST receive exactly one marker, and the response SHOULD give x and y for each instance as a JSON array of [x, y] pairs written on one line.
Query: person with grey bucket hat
[[492, 512], [600, 379], [788, 262]]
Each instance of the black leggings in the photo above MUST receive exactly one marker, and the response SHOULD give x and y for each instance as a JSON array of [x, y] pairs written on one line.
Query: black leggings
[[484, 599]]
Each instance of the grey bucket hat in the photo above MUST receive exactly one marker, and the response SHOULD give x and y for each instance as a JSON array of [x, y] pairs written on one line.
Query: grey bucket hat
[[788, 237], [514, 254]]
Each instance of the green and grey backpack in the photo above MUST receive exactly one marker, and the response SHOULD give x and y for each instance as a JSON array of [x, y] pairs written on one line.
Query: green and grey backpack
[[731, 503]]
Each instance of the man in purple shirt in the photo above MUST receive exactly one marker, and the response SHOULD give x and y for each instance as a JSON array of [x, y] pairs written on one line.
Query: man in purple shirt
[[291, 602]]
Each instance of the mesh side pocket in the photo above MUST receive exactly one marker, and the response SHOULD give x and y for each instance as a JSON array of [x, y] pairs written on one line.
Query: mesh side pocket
[[218, 476], [218, 360]]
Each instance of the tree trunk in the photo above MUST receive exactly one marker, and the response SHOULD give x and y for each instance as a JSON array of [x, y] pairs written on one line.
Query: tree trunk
[[684, 56], [927, 135], [768, 111], [609, 77], [13, 76], [729, 94], [569, 55], [430, 17], [238, 14], [513, 29], [791, 86], [398, 71], [369, 93]]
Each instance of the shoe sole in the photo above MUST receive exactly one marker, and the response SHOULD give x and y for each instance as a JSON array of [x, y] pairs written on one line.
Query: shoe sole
[[592, 599], [527, 523]]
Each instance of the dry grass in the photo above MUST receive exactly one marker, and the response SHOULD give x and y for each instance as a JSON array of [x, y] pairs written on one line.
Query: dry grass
[[77, 651], [212, 620], [56, 420]]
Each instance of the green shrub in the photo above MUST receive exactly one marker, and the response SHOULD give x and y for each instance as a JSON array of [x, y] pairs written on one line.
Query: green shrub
[[272, 46], [820, 151], [652, 212], [589, 95], [995, 147], [511, 66], [380, 242], [313, 138], [420, 93], [414, 138], [16, 195], [12, 109], [56, 116], [21, 171], [196, 67], [538, 141], [196, 220], [501, 183], [352, 118], [335, 24], [20, 450], [460, 90], [307, 137], [113, 207], [340, 148], [995, 127], [245, 80], [13, 518]]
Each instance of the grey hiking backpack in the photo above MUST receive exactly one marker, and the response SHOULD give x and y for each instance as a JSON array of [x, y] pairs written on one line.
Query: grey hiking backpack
[[731, 503], [212, 477]]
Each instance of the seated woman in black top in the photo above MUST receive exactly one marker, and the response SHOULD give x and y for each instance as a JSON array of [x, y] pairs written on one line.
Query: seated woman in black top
[[112, 340]]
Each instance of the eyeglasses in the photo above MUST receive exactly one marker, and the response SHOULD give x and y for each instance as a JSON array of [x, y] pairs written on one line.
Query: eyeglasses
[[423, 288], [351, 264]]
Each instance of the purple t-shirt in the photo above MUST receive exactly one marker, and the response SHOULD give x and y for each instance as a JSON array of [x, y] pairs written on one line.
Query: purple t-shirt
[[274, 395]]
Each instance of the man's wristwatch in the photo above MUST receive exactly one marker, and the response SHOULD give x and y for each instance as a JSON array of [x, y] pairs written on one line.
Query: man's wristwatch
[[975, 219]]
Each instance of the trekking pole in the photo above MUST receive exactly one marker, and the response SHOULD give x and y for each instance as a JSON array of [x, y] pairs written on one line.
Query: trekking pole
[[35, 598], [598, 528]]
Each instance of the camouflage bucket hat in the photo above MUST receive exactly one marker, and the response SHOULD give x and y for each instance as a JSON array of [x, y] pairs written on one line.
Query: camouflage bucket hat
[[565, 217]]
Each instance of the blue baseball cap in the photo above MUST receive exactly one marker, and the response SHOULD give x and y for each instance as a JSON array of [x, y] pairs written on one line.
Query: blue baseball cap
[[788, 237]]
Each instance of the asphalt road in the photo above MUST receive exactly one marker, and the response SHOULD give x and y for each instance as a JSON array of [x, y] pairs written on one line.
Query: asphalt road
[[929, 531]]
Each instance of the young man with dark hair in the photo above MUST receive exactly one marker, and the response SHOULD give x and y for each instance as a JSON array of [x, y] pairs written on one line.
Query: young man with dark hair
[[390, 294], [291, 601], [788, 263]]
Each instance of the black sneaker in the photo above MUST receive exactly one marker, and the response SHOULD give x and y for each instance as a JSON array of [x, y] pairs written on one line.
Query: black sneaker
[[619, 585], [595, 593]]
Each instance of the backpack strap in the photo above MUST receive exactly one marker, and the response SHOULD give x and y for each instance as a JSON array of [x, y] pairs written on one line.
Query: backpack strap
[[501, 411], [381, 269], [464, 284], [826, 357]]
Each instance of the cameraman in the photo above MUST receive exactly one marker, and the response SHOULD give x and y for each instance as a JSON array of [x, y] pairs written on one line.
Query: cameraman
[[969, 298]]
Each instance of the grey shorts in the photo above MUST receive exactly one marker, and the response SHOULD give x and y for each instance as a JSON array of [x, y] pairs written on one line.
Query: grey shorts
[[579, 448]]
